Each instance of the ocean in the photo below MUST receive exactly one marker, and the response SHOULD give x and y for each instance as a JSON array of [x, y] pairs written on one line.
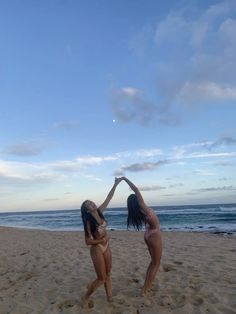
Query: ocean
[[220, 218]]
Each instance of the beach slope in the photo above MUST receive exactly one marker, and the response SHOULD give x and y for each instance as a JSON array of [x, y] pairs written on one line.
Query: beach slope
[[47, 272]]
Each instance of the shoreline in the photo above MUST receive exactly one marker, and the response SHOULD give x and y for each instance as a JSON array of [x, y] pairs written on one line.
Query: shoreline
[[48, 271], [230, 233]]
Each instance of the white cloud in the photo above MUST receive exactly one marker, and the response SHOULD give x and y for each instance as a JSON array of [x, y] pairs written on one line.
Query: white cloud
[[204, 172], [78, 163], [206, 91], [228, 30], [143, 166], [92, 177], [12, 172], [170, 28], [207, 155], [216, 189], [205, 70], [211, 149], [196, 53], [199, 32], [12, 175], [129, 104], [130, 91], [152, 188], [149, 152], [25, 149], [141, 153]]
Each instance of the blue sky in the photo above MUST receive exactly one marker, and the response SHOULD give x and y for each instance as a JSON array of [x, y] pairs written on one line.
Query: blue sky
[[94, 89]]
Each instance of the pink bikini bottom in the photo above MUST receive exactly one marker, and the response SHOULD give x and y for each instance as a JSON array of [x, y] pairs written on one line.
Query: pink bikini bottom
[[103, 247]]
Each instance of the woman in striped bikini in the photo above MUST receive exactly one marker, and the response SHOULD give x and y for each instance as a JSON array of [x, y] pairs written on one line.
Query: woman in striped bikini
[[96, 236], [138, 214]]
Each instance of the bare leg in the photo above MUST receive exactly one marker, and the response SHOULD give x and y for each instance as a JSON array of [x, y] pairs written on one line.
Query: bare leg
[[107, 284], [155, 250], [100, 268]]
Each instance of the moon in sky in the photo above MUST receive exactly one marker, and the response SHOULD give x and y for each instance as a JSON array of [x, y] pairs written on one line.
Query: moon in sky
[[113, 121]]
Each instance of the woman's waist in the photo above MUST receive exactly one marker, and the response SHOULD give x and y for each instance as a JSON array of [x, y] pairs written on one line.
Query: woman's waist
[[149, 228], [100, 235]]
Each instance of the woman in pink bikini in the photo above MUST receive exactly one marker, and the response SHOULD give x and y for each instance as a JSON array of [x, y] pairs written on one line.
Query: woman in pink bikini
[[96, 236], [138, 214]]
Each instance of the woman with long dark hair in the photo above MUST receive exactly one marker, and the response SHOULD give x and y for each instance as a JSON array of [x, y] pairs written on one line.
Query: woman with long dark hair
[[140, 214], [96, 236]]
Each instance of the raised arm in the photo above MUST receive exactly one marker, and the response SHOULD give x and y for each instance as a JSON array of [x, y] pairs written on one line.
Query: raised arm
[[103, 206], [137, 193]]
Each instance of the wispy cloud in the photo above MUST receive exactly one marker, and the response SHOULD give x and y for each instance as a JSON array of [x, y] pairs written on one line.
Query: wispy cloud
[[22, 179], [168, 195], [224, 141], [152, 188], [77, 163], [225, 163], [195, 92], [16, 173], [216, 189], [141, 153], [207, 155], [204, 77], [137, 167], [178, 155], [204, 172], [25, 149], [203, 72], [175, 185], [224, 179], [129, 104], [210, 149], [92, 177]]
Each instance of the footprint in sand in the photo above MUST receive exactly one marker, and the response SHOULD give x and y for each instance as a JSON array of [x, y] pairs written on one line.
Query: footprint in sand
[[66, 304], [164, 300], [178, 262], [179, 301], [212, 298], [119, 300], [23, 253], [168, 267], [135, 280], [196, 300], [26, 276]]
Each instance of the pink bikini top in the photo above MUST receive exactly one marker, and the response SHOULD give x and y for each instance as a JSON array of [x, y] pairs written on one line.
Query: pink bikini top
[[101, 229]]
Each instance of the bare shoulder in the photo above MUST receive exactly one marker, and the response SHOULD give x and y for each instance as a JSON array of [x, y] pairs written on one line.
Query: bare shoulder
[[145, 209], [151, 214]]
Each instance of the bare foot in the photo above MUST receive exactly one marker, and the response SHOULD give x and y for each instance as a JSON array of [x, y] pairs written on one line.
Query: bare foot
[[87, 303], [144, 293], [109, 298]]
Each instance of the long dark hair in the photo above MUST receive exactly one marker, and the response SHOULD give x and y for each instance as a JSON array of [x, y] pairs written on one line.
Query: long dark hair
[[88, 217], [135, 217]]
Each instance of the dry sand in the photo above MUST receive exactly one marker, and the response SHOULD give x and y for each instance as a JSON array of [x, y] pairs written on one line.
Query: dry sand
[[47, 272]]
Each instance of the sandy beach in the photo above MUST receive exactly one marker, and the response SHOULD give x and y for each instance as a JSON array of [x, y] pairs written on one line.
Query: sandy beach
[[47, 272]]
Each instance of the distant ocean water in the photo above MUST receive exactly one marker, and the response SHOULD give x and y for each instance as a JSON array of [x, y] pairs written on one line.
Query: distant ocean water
[[220, 218]]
